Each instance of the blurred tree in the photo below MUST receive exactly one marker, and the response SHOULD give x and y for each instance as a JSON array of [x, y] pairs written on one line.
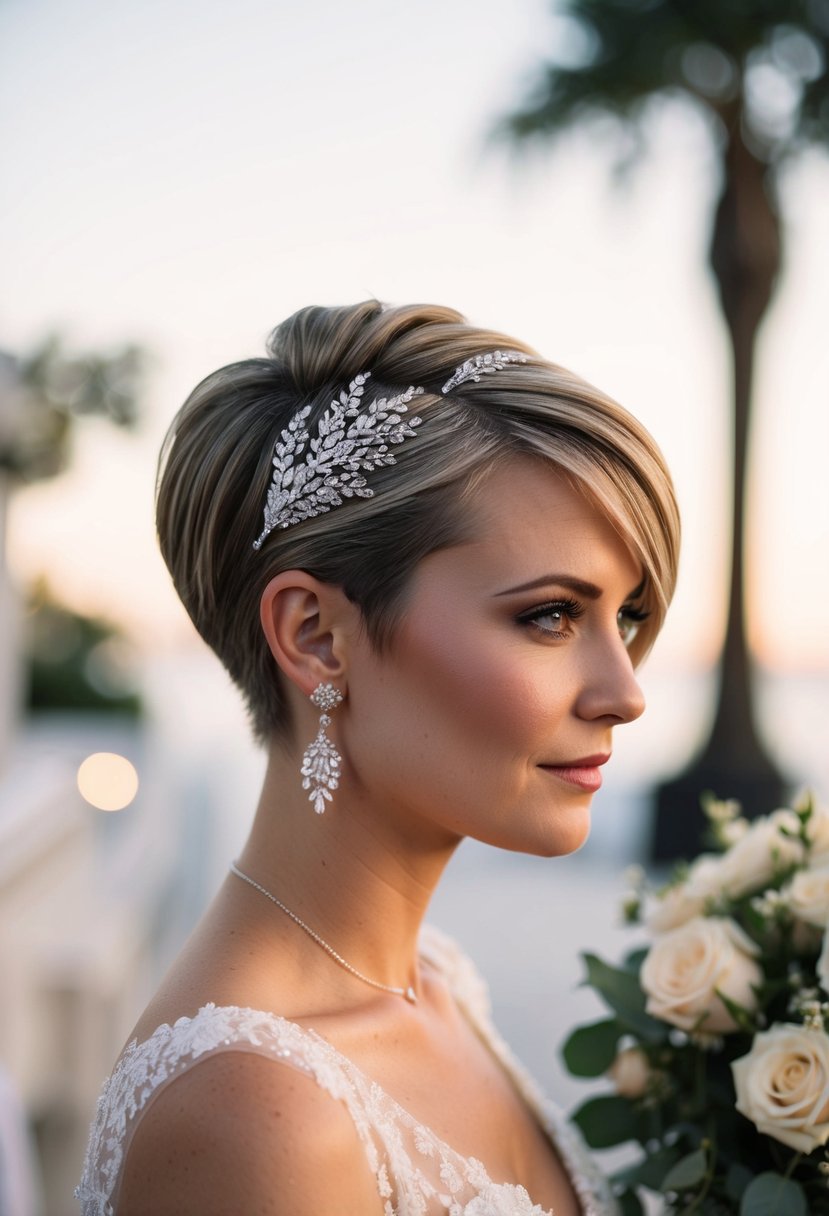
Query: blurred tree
[[75, 662], [47, 390], [756, 71], [41, 397]]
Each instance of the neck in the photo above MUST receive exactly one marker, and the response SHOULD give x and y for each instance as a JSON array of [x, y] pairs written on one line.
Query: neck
[[356, 876]]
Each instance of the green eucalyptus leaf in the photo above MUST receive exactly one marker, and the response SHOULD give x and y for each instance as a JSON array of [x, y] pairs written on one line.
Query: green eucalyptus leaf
[[621, 990], [630, 1204], [773, 1195], [608, 1120], [635, 958], [650, 1170], [590, 1050], [737, 1180], [688, 1172]]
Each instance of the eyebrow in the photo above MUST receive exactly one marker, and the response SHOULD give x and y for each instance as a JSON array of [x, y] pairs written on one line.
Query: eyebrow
[[589, 590]]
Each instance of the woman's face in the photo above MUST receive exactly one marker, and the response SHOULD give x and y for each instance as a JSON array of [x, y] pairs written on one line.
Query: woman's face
[[493, 710]]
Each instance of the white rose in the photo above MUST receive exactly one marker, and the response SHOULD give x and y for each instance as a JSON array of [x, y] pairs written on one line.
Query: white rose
[[684, 970], [808, 895], [630, 1072], [684, 900], [783, 1085], [763, 850]]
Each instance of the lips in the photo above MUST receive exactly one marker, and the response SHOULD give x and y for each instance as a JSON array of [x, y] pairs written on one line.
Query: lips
[[583, 773]]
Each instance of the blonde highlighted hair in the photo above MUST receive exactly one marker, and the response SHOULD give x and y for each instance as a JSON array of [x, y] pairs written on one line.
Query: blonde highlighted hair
[[215, 470]]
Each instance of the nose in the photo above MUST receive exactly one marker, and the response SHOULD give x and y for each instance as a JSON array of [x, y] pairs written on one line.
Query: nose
[[610, 689]]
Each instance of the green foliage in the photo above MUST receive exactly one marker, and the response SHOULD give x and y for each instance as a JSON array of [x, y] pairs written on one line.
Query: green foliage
[[75, 663], [609, 1120], [621, 55], [630, 1204], [55, 387], [737, 1178], [772, 1195], [651, 1170], [621, 990], [590, 1050], [688, 1172]]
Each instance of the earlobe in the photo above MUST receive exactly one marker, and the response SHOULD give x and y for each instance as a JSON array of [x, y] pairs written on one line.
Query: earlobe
[[301, 619]]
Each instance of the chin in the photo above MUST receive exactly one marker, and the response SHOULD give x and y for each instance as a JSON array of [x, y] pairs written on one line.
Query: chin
[[563, 830], [551, 838], [561, 848]]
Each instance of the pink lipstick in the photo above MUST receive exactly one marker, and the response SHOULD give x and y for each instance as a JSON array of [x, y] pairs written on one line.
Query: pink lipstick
[[582, 773]]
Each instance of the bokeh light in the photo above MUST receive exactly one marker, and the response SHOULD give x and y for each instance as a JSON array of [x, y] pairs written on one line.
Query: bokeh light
[[108, 781]]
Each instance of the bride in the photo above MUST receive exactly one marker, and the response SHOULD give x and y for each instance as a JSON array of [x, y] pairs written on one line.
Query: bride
[[431, 560]]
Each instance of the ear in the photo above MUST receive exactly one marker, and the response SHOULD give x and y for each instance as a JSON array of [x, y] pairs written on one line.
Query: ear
[[307, 624]]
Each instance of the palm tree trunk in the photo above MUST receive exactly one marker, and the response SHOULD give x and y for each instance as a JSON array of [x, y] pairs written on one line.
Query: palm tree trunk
[[745, 259]]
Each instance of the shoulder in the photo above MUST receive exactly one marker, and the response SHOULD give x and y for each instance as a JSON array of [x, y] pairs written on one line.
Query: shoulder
[[241, 1132]]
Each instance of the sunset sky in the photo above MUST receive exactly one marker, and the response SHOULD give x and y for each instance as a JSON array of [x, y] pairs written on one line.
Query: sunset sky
[[187, 174]]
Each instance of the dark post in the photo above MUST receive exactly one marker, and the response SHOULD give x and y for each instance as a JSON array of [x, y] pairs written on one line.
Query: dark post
[[745, 258]]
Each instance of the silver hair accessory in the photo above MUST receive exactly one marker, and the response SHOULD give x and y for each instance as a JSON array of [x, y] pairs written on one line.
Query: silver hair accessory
[[409, 992], [305, 485], [321, 761], [350, 441], [482, 365]]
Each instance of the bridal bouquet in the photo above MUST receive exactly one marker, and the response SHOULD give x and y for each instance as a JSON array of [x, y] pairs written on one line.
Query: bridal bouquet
[[716, 1044]]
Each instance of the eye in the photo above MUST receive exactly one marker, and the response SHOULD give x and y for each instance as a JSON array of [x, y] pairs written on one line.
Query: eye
[[629, 619], [554, 618]]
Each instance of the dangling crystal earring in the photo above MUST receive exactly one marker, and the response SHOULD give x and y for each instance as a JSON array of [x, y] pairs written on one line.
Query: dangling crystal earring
[[321, 761]]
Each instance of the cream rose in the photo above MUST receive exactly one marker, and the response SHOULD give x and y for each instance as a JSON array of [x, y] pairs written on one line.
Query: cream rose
[[630, 1072], [684, 970], [753, 861], [783, 1085], [684, 900], [808, 895]]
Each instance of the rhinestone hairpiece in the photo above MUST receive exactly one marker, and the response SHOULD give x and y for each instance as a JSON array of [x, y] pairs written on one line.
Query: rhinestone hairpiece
[[309, 484], [311, 476], [482, 365]]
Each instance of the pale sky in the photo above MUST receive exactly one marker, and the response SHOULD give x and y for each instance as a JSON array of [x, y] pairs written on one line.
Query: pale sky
[[187, 174]]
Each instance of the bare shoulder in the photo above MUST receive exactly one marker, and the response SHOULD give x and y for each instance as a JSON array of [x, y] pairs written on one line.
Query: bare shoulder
[[241, 1133]]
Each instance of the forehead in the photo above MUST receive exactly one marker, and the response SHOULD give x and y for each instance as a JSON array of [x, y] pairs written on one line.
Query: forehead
[[526, 513]]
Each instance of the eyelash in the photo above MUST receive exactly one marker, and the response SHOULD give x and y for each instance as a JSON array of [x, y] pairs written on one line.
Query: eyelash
[[572, 610]]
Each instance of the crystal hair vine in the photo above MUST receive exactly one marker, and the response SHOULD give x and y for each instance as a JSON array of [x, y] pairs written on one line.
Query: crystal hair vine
[[482, 365], [312, 476]]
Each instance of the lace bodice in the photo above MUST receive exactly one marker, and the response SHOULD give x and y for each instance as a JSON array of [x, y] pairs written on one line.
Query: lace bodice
[[417, 1174]]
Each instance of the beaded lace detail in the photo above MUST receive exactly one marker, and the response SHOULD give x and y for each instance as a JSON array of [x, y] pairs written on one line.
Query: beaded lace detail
[[417, 1174]]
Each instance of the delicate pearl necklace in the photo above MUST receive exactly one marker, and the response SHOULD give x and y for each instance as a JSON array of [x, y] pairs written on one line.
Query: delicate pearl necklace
[[409, 993]]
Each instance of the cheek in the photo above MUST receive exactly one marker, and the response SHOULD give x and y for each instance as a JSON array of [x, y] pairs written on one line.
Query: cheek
[[479, 692]]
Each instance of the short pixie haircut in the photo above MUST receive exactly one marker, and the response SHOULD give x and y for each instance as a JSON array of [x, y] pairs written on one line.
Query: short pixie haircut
[[215, 471]]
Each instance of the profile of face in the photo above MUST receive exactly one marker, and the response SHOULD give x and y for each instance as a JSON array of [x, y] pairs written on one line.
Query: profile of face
[[493, 709]]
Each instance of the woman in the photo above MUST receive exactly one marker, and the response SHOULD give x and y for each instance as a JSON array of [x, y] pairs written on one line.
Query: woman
[[430, 560]]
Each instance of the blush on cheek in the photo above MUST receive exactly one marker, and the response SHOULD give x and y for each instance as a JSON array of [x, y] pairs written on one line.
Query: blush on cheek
[[475, 677]]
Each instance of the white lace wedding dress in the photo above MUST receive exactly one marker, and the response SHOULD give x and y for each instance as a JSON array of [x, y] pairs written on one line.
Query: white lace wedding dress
[[417, 1173]]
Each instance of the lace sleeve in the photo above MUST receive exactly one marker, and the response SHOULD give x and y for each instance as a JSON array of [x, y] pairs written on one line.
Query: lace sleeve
[[145, 1069], [417, 1174]]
